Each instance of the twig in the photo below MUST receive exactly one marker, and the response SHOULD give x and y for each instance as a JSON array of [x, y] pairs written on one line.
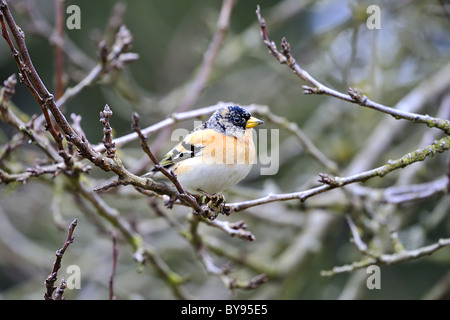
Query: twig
[[190, 200], [8, 90], [353, 95], [40, 26], [222, 273], [109, 60], [389, 259], [329, 183], [174, 118], [8, 116], [416, 192], [114, 265], [197, 85], [107, 130], [355, 233], [115, 59], [292, 127], [60, 290], [27, 73], [15, 142], [251, 284], [385, 133], [112, 184], [47, 101], [237, 228], [179, 117], [209, 57], [52, 277], [143, 253], [58, 42]]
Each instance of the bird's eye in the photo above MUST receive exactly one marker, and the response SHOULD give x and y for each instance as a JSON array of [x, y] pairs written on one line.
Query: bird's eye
[[239, 121]]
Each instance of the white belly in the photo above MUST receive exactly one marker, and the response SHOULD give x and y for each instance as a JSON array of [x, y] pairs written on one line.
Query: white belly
[[214, 178]]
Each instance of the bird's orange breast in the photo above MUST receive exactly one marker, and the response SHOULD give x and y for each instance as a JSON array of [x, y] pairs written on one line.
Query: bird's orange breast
[[222, 149]]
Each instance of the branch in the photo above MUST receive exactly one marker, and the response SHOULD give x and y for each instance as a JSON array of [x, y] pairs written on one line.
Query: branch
[[107, 130], [47, 101], [199, 82], [416, 192], [183, 195], [143, 253], [172, 119], [58, 35], [389, 259], [115, 59], [60, 290], [37, 171], [237, 228], [293, 128], [373, 257], [114, 264], [52, 277], [211, 268], [353, 95], [329, 183]]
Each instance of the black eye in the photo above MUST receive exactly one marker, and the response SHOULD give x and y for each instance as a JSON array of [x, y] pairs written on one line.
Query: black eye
[[238, 121]]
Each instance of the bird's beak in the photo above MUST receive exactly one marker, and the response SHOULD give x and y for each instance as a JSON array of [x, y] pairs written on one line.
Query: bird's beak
[[253, 122]]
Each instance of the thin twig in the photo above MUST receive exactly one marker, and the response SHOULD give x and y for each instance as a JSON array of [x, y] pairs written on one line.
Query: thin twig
[[114, 265], [52, 277], [143, 253], [355, 233], [47, 102], [329, 183], [174, 118], [237, 228], [353, 95], [60, 290], [107, 130], [389, 259], [58, 42], [171, 176], [207, 261], [208, 58], [197, 85], [293, 128]]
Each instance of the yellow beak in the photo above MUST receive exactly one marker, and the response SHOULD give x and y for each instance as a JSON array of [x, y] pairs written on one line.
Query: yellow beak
[[253, 122]]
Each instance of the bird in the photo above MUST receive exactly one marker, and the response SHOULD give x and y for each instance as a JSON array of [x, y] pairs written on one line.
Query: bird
[[215, 156]]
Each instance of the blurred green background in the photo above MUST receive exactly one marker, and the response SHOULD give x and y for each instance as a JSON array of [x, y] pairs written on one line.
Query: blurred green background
[[331, 41]]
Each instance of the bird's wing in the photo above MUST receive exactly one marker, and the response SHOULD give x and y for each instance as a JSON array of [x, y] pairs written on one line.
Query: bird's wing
[[191, 146]]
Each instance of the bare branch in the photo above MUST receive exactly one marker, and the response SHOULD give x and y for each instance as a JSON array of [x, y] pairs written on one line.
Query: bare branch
[[143, 253], [329, 183], [52, 277], [186, 197], [197, 85], [8, 90], [237, 228], [107, 139], [353, 95], [114, 264], [222, 273], [58, 33], [389, 259]]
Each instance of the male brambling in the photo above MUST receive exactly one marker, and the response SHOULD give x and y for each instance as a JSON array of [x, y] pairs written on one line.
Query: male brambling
[[214, 156]]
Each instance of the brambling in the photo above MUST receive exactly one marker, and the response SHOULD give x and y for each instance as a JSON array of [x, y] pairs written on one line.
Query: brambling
[[214, 156]]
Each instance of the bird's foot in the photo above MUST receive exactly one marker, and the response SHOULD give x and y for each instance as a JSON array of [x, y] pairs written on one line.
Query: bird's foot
[[213, 204]]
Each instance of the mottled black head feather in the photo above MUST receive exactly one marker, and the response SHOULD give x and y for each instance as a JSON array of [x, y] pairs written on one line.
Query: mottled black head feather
[[230, 120]]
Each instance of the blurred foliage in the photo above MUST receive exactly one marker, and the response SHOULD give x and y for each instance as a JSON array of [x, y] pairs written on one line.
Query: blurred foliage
[[331, 41]]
